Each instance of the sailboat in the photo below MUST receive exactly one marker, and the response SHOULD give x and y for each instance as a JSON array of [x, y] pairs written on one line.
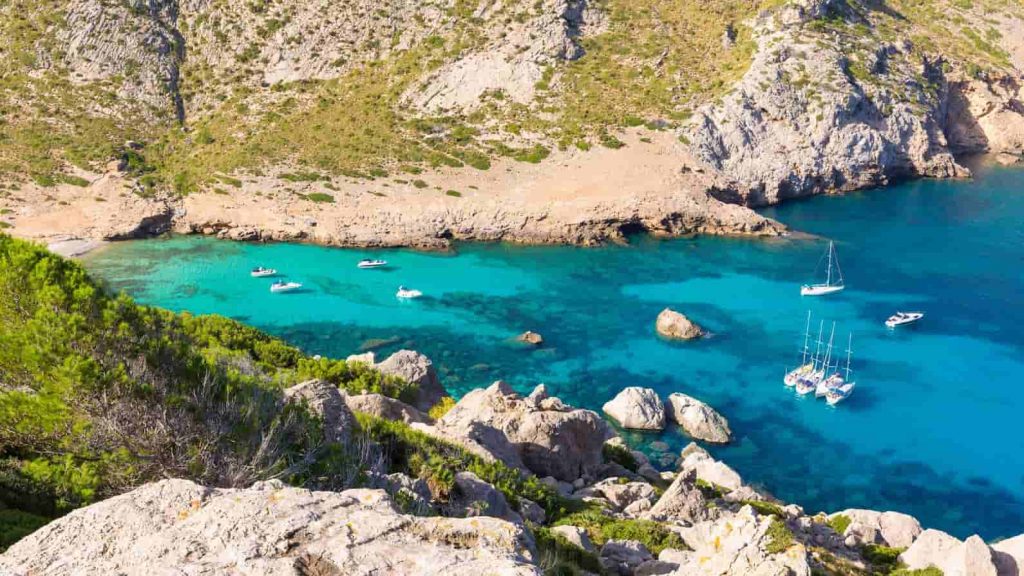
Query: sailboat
[[842, 390], [791, 377], [808, 382], [833, 282]]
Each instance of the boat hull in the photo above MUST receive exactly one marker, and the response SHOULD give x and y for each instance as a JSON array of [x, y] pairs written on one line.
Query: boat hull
[[285, 288], [819, 290]]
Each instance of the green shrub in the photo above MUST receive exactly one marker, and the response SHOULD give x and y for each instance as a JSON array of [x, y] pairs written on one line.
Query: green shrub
[[454, 193], [765, 508], [356, 377], [15, 525], [780, 538], [320, 197], [437, 411], [710, 490], [419, 183], [601, 528], [839, 523], [610, 141], [619, 454], [882, 559], [929, 571], [559, 556]]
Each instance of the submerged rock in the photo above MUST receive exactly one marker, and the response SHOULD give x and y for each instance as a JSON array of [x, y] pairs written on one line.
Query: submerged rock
[[637, 408], [698, 419], [179, 527], [531, 338], [672, 324]]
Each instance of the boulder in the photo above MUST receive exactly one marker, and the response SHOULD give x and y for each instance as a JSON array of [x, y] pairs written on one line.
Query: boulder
[[738, 544], [531, 511], [576, 536], [637, 408], [697, 460], [179, 527], [416, 368], [545, 437], [681, 501], [655, 568], [1009, 555], [698, 419], [384, 407], [531, 338], [623, 494], [624, 556], [368, 358], [328, 403], [893, 529], [672, 324], [474, 497], [971, 557]]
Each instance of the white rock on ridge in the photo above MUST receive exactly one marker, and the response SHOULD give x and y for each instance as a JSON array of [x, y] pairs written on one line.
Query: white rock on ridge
[[697, 460], [698, 419], [416, 368], [672, 324], [971, 557], [681, 501], [384, 407], [893, 529], [179, 527], [737, 545], [540, 434], [637, 408], [623, 494]]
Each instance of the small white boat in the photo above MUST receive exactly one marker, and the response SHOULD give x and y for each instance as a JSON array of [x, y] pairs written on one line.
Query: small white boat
[[407, 293], [844, 387], [282, 286], [261, 272], [831, 284], [901, 318], [805, 368], [372, 263]]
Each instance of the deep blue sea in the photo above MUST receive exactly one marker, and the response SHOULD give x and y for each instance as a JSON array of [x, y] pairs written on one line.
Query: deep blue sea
[[933, 429]]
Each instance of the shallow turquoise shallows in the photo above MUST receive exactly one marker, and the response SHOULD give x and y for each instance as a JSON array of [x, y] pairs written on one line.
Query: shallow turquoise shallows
[[934, 427]]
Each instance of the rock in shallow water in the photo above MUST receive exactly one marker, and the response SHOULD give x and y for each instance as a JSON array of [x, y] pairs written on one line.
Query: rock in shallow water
[[637, 408], [672, 324], [698, 419]]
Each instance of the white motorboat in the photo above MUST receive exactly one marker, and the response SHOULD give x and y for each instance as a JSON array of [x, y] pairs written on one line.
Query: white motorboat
[[372, 263], [833, 282], [903, 318], [407, 293], [261, 272], [282, 286]]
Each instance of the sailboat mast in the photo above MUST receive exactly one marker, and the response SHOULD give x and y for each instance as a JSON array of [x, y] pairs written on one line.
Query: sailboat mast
[[828, 351], [817, 348], [849, 354], [807, 337], [828, 278]]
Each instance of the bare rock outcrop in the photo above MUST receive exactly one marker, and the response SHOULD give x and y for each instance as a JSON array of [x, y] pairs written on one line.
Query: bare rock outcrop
[[328, 403], [737, 544], [893, 529], [698, 419], [681, 501], [539, 433], [417, 369], [637, 408], [383, 407], [673, 325], [176, 526], [971, 557], [696, 460]]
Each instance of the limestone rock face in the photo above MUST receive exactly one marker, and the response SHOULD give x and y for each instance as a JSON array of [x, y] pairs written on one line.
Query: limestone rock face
[[178, 527], [383, 407], [672, 324], [624, 556], [416, 368], [985, 116], [698, 419], [737, 544], [785, 132], [474, 497], [327, 402], [575, 535], [542, 435], [637, 408], [971, 557], [697, 460], [623, 495], [682, 501], [892, 529]]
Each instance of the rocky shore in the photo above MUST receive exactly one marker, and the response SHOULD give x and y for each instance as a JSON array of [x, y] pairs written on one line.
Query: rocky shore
[[708, 520]]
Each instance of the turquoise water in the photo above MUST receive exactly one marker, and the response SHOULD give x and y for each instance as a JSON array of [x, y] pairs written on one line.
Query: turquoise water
[[933, 428]]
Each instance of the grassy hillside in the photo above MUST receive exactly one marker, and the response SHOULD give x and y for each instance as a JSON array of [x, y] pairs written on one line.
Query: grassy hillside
[[338, 108]]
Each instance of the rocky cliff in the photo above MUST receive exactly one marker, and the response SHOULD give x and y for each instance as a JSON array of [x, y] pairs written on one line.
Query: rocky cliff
[[554, 121]]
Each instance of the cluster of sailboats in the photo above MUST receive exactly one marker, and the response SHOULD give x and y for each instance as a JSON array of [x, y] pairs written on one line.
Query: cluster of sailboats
[[819, 371], [279, 286]]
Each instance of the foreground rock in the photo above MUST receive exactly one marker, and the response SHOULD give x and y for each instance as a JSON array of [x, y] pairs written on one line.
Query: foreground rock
[[892, 529], [682, 501], [698, 419], [538, 433], [178, 527], [697, 460], [971, 557], [672, 324], [326, 401], [384, 407], [637, 409]]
